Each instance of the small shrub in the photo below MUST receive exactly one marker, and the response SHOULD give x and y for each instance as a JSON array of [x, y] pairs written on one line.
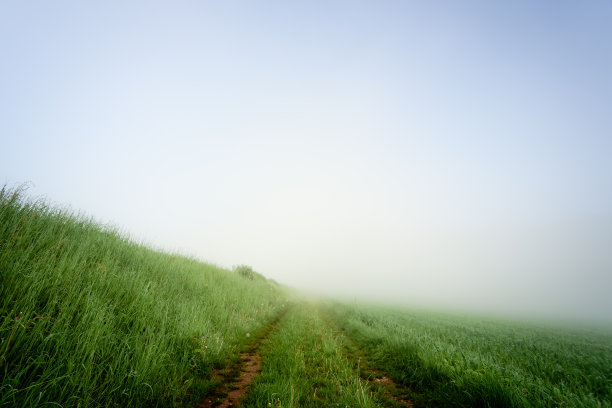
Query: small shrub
[[247, 272]]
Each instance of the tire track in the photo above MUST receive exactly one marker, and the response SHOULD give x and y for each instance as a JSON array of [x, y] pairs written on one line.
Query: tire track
[[236, 380], [375, 377]]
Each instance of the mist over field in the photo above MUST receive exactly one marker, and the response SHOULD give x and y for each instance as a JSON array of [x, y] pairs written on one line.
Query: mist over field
[[455, 156]]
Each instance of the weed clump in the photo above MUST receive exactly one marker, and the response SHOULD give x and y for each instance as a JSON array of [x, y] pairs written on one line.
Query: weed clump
[[247, 272]]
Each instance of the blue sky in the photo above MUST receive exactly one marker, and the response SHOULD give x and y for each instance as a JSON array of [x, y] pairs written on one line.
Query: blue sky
[[452, 154]]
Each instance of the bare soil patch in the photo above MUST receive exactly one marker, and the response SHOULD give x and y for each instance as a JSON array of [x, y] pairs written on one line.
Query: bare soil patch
[[236, 390], [236, 380], [391, 389]]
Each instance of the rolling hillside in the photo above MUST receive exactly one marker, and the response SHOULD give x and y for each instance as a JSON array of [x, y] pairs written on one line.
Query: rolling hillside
[[89, 318]]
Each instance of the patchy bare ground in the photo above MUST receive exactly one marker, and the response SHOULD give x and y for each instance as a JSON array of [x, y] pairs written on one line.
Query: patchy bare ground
[[391, 390], [236, 380], [250, 364]]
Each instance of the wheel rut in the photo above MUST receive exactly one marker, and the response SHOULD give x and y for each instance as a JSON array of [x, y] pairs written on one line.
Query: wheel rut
[[236, 380], [395, 393], [391, 389]]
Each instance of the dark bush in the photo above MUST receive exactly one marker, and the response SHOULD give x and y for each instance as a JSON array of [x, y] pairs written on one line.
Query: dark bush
[[247, 272]]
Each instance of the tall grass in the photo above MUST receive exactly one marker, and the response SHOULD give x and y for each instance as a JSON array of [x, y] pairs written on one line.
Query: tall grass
[[305, 365], [456, 361], [90, 318]]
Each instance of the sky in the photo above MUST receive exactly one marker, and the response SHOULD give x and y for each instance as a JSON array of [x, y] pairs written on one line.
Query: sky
[[447, 154]]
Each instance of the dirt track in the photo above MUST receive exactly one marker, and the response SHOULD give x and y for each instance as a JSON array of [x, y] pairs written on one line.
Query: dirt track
[[238, 378]]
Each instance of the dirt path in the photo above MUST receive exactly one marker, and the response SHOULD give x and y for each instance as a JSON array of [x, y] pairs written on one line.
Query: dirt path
[[392, 390], [376, 378], [235, 380]]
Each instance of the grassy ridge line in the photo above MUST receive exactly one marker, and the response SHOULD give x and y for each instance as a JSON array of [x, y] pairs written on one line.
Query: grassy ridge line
[[90, 318], [450, 361], [304, 365]]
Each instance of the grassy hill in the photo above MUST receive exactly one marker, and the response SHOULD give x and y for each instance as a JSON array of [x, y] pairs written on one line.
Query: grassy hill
[[88, 318]]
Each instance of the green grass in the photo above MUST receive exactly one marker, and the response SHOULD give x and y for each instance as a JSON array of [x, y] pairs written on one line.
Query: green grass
[[458, 361], [305, 365], [89, 318]]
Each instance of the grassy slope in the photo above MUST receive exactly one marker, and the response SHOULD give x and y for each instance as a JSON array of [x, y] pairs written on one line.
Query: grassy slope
[[452, 361], [89, 318]]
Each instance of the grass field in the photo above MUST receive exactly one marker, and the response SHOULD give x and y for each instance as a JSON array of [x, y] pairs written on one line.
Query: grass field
[[446, 360], [88, 318]]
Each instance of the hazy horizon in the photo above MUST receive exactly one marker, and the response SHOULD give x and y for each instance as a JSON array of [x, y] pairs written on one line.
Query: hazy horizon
[[455, 155]]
